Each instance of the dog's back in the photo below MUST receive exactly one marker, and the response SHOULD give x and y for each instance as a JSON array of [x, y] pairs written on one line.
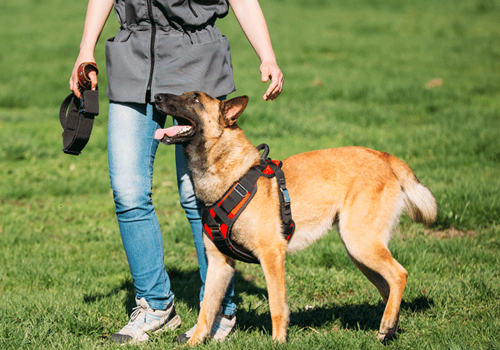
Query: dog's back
[[353, 185]]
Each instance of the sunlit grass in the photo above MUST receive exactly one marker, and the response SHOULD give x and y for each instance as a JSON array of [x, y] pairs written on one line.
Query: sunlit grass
[[356, 73]]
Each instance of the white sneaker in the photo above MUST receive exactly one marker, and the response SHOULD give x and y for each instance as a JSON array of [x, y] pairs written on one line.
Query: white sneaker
[[223, 326], [146, 320]]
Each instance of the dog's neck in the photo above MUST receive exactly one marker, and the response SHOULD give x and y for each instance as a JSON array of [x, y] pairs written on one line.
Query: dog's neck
[[215, 167]]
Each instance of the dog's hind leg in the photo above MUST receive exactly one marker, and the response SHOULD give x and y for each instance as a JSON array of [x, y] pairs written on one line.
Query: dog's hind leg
[[370, 254], [272, 260], [219, 273], [390, 279]]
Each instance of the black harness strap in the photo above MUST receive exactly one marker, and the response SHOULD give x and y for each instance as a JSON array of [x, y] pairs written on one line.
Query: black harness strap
[[219, 218], [286, 211]]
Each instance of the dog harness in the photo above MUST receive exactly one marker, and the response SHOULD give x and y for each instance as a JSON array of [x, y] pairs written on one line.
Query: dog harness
[[219, 218]]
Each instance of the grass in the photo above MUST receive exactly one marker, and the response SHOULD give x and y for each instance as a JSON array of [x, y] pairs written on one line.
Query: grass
[[355, 74]]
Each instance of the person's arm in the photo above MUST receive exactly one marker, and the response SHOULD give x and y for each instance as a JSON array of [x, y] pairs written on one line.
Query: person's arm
[[97, 13], [252, 21]]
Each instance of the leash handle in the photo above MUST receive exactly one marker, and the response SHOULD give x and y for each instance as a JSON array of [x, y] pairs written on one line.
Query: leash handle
[[83, 72], [77, 122], [264, 147]]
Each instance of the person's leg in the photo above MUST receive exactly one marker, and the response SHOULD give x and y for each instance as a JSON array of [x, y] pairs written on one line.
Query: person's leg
[[193, 208], [131, 153]]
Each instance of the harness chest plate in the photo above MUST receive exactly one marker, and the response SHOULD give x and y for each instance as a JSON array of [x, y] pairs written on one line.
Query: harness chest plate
[[219, 218]]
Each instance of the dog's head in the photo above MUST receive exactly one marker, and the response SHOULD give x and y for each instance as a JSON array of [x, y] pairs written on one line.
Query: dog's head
[[198, 115]]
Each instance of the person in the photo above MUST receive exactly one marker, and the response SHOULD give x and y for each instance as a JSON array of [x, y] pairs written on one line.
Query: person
[[170, 47]]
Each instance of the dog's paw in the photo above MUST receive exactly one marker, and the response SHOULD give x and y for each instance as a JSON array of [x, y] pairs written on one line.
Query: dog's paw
[[193, 341], [386, 336]]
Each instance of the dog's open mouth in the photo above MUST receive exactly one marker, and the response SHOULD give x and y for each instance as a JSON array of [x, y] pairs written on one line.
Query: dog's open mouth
[[177, 133]]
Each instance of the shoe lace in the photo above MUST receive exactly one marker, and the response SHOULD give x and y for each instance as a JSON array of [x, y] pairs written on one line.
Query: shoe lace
[[136, 312]]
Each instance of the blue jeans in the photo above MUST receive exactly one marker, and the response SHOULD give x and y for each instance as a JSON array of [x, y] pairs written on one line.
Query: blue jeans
[[131, 153]]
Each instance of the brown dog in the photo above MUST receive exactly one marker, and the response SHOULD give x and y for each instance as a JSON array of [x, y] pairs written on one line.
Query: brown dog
[[362, 190]]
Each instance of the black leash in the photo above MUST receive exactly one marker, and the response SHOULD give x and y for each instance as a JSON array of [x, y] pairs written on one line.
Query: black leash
[[77, 115]]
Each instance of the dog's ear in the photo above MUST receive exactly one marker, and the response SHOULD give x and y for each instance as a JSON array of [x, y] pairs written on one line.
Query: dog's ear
[[232, 109]]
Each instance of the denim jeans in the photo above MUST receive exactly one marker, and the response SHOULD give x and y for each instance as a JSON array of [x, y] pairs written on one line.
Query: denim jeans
[[131, 153]]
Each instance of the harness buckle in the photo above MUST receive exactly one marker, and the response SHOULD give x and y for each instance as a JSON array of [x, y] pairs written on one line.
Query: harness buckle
[[243, 190], [286, 196]]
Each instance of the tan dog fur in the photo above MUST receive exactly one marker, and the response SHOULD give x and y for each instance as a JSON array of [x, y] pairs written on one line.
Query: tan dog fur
[[362, 190]]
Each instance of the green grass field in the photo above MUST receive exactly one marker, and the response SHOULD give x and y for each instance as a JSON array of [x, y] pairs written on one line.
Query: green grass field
[[356, 73]]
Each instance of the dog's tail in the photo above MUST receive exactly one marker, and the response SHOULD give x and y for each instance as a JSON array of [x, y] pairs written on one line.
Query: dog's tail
[[420, 204]]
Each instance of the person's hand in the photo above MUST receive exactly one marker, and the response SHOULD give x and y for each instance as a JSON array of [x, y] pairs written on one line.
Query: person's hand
[[270, 70], [73, 81]]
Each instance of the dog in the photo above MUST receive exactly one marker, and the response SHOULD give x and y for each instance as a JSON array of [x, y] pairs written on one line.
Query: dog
[[361, 190]]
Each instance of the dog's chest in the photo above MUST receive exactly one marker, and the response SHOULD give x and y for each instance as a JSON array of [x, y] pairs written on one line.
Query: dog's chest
[[209, 189]]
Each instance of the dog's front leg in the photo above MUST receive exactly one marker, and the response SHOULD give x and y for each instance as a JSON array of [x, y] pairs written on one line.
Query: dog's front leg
[[219, 274], [272, 261]]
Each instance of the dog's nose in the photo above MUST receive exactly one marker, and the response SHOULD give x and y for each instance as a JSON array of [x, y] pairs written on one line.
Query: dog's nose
[[159, 98]]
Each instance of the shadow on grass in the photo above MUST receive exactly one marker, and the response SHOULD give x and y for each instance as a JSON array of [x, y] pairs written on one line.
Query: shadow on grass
[[186, 286], [352, 317]]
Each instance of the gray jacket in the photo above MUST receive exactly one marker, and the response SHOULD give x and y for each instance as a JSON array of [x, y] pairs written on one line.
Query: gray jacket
[[168, 46]]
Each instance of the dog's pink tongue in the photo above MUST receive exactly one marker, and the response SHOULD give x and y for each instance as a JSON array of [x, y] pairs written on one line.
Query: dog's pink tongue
[[173, 130]]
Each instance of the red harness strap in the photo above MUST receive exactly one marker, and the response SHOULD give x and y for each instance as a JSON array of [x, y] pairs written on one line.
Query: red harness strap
[[219, 218]]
